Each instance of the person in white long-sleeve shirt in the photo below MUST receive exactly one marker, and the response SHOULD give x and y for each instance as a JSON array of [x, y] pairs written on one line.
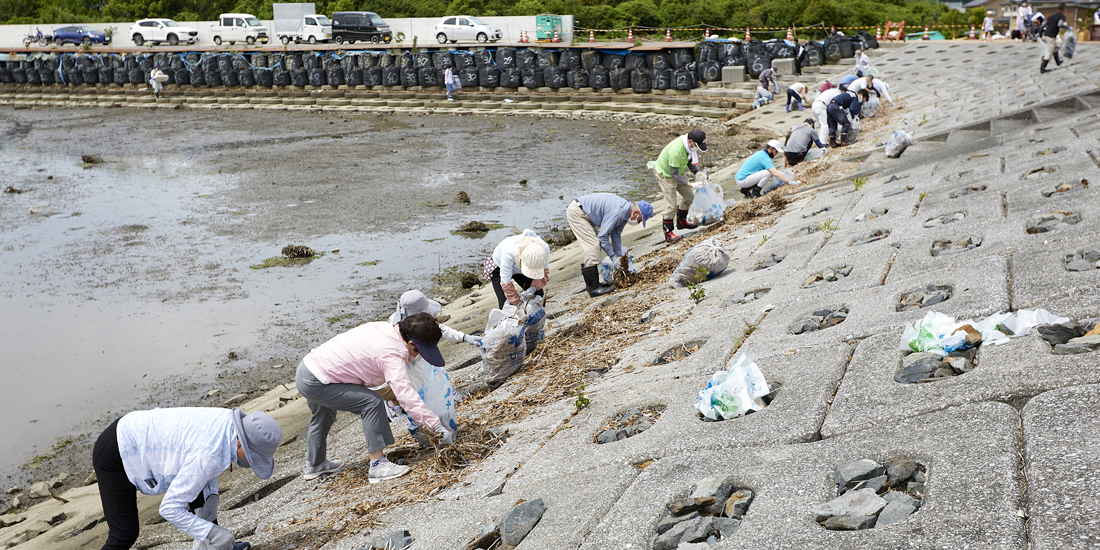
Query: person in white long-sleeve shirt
[[872, 85], [414, 301], [820, 109], [178, 453]]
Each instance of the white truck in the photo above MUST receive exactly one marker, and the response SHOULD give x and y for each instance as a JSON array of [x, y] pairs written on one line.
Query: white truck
[[238, 27], [300, 23]]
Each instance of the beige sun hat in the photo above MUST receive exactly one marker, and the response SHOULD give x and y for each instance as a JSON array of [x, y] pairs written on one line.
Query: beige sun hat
[[531, 257]]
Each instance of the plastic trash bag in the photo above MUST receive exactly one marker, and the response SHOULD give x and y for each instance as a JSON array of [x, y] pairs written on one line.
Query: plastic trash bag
[[536, 321], [870, 109], [814, 154], [940, 334], [607, 271], [1069, 44], [735, 391], [709, 202], [709, 255], [433, 385], [775, 183], [853, 130], [898, 143], [504, 345], [1018, 324]]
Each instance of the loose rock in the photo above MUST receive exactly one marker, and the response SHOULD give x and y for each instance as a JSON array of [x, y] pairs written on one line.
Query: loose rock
[[964, 191], [746, 297], [394, 541], [897, 191], [1051, 222], [929, 295], [771, 260], [874, 213], [849, 474], [298, 251], [853, 503], [808, 230], [818, 211], [1066, 188], [519, 521], [462, 198], [849, 523], [1083, 260], [39, 490], [945, 219], [893, 513], [954, 245], [828, 275], [820, 319], [877, 235]]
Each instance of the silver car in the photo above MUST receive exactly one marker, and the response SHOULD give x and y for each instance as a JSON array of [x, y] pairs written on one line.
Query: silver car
[[467, 28]]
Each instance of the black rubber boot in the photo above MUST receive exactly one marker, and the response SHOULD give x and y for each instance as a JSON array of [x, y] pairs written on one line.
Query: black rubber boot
[[1043, 67], [681, 220], [592, 284], [1057, 59], [670, 237]]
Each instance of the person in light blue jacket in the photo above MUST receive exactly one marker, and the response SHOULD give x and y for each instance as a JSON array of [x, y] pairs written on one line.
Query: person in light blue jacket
[[178, 453]]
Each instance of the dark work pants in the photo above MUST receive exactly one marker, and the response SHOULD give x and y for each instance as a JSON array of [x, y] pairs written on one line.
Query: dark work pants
[[523, 280], [793, 97], [117, 494], [838, 116]]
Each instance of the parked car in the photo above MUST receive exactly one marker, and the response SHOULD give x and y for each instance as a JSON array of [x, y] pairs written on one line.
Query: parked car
[[242, 27], [80, 34], [465, 27], [359, 25], [300, 22], [162, 30]]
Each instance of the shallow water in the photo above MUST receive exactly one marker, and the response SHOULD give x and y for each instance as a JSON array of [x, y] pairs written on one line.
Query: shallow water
[[131, 284]]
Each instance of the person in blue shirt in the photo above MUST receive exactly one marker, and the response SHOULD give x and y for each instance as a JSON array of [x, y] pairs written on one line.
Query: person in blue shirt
[[842, 107], [598, 220], [178, 453], [758, 170]]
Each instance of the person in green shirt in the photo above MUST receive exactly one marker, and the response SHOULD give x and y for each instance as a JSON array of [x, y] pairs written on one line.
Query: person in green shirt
[[672, 166]]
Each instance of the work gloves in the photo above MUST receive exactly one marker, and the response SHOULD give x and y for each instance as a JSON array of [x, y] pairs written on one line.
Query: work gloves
[[209, 510], [472, 340], [219, 538], [615, 260], [445, 435], [794, 182]]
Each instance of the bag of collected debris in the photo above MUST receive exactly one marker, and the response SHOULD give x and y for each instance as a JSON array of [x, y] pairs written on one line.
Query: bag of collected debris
[[898, 143], [709, 202], [433, 385], [1069, 44], [504, 345], [708, 255], [733, 392], [607, 271], [814, 154], [536, 322], [870, 108]]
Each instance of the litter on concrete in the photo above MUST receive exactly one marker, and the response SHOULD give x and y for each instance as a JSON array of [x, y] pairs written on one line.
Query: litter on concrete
[[702, 262], [941, 334], [734, 392]]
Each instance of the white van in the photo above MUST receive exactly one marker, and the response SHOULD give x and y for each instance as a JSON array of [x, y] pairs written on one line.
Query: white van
[[238, 27]]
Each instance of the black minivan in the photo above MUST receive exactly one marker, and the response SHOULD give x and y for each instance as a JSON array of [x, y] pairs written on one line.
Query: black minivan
[[351, 26]]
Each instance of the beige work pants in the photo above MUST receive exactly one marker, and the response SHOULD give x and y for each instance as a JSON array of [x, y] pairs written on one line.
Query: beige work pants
[[669, 189], [585, 231]]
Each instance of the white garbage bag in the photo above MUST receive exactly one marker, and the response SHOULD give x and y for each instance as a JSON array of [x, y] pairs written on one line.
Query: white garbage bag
[[504, 345], [607, 271], [709, 255], [433, 385], [733, 392], [898, 143], [709, 202]]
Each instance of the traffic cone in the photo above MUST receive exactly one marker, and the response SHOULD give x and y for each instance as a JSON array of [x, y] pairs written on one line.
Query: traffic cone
[[832, 30], [668, 35], [630, 35], [591, 35], [878, 33], [926, 37], [972, 35], [748, 35], [706, 33], [790, 35], [556, 37]]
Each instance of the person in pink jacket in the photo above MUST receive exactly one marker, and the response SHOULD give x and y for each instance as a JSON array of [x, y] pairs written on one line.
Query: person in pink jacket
[[339, 374]]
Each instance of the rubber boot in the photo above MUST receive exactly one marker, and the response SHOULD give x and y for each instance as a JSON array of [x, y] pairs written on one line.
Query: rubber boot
[[681, 220], [670, 237], [1057, 58], [1043, 67], [592, 284], [788, 107]]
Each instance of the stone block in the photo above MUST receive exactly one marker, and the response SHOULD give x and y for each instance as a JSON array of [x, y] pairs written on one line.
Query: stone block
[[734, 73], [785, 66]]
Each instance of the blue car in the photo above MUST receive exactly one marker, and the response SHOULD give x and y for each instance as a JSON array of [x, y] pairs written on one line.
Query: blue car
[[80, 34]]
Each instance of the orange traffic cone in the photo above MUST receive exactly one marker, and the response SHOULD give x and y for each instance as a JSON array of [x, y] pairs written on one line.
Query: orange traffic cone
[[591, 35], [973, 36], [748, 35], [668, 35], [556, 37], [630, 35], [926, 37], [878, 33], [790, 35]]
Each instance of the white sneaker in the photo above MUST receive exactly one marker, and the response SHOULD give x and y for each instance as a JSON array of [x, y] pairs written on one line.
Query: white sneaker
[[449, 99], [384, 469], [326, 467]]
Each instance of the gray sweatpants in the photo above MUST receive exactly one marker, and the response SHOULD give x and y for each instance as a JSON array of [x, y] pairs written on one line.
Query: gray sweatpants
[[325, 399]]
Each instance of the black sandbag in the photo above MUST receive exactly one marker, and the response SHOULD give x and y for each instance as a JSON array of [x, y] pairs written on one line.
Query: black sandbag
[[710, 72], [293, 62], [832, 48], [317, 77], [640, 80], [310, 61], [708, 52], [634, 61], [428, 76], [265, 78], [783, 52], [5, 76], [280, 77], [373, 76], [327, 61], [619, 78], [106, 76], [657, 61], [570, 59], [137, 76], [548, 59], [488, 76], [468, 77], [176, 63], [662, 79], [224, 62], [727, 50], [246, 77], [73, 76], [190, 59], [409, 76], [31, 76], [91, 76], [145, 62], [598, 78], [613, 61], [442, 60], [335, 75], [424, 59], [483, 58], [846, 49], [83, 63], [353, 77], [183, 77], [759, 64], [577, 78], [682, 79], [45, 76], [230, 78], [526, 59], [739, 61], [214, 78], [367, 61], [815, 54], [681, 57], [391, 76], [511, 78], [160, 60], [554, 77], [19, 75], [299, 77], [239, 62], [209, 64], [463, 60], [67, 62], [589, 59], [693, 71], [195, 74], [506, 58], [532, 78], [259, 60], [129, 62]]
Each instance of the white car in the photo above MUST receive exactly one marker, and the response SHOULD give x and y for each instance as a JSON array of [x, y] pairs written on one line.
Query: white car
[[162, 30], [465, 27]]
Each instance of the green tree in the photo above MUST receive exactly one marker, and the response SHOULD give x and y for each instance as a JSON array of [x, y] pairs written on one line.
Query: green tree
[[821, 11]]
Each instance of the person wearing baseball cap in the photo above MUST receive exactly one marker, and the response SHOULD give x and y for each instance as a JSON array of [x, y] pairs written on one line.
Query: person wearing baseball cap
[[178, 453], [598, 220], [339, 374], [758, 169], [523, 259], [799, 140], [679, 157]]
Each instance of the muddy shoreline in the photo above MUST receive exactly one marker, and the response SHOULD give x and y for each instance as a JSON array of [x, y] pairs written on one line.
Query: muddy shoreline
[[167, 230]]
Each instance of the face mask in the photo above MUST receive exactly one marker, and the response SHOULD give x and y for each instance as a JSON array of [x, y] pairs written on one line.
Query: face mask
[[632, 221], [242, 461]]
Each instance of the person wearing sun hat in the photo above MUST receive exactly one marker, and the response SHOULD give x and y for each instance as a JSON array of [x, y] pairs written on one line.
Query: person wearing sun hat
[[524, 259], [339, 374], [178, 453], [414, 301], [598, 220]]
